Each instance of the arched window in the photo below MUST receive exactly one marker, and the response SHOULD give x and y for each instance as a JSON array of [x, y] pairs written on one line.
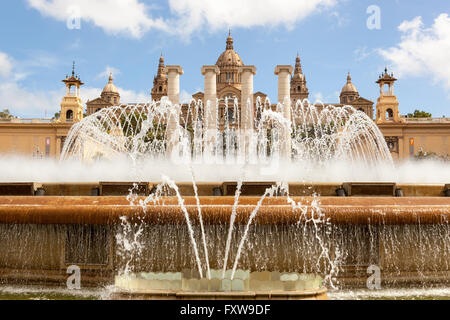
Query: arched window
[[160, 88], [389, 114], [299, 88], [115, 100], [69, 115], [230, 115]]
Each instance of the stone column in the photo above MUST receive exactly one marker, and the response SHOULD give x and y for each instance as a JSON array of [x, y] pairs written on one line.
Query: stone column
[[58, 147], [247, 112], [284, 97], [210, 108], [173, 93], [401, 151]]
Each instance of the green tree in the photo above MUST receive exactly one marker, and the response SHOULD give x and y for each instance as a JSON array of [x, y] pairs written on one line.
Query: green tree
[[5, 114], [419, 114], [57, 115]]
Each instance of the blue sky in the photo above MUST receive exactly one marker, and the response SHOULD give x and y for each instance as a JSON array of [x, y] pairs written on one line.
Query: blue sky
[[127, 36]]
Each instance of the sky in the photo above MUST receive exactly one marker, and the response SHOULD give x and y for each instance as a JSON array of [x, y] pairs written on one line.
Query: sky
[[39, 39]]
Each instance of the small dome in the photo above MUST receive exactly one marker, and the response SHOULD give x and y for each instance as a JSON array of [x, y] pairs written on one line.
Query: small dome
[[298, 73], [349, 87], [110, 87], [229, 58]]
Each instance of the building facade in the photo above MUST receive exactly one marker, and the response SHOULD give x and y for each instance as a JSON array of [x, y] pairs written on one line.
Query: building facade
[[405, 137], [409, 137]]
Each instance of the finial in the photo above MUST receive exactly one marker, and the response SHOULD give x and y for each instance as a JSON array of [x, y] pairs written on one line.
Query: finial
[[229, 40], [385, 70], [349, 77], [73, 69], [111, 77]]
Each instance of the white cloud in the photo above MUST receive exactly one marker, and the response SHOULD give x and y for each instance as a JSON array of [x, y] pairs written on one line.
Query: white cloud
[[108, 70], [133, 17], [361, 53], [6, 65], [185, 97], [126, 96], [114, 16], [22, 102], [317, 97], [130, 96], [19, 100], [422, 51], [195, 14], [26, 103]]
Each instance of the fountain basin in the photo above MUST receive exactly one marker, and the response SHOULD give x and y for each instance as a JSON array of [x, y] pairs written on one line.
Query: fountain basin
[[109, 210], [406, 237]]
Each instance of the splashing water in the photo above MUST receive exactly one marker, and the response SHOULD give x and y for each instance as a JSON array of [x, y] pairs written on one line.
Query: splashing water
[[317, 134], [159, 132]]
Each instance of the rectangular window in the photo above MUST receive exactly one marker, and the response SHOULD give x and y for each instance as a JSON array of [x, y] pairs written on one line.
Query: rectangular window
[[411, 147], [47, 147]]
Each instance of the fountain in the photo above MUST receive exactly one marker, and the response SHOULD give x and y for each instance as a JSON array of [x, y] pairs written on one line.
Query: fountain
[[240, 220]]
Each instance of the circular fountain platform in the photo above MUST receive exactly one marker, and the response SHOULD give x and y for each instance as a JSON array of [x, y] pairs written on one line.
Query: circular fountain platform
[[244, 286]]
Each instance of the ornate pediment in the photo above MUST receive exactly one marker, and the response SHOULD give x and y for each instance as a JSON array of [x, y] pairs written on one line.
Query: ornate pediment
[[361, 100], [98, 101], [229, 90]]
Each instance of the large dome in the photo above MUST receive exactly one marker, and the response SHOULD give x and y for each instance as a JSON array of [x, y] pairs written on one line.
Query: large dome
[[349, 87], [110, 87], [229, 58]]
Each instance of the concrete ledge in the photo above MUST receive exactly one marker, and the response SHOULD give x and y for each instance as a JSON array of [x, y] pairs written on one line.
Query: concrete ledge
[[247, 189], [358, 189], [123, 188], [69, 189], [206, 189], [319, 294], [274, 211], [413, 190], [17, 189]]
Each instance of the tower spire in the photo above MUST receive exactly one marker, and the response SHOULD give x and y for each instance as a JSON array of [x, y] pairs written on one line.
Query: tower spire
[[298, 65], [299, 90], [229, 41]]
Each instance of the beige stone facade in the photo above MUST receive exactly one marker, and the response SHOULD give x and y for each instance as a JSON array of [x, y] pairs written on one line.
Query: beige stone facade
[[32, 138], [406, 137], [411, 138], [43, 138]]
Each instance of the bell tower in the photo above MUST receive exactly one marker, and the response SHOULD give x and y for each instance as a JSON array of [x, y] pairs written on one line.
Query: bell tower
[[387, 103], [299, 90], [71, 105], [160, 83]]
